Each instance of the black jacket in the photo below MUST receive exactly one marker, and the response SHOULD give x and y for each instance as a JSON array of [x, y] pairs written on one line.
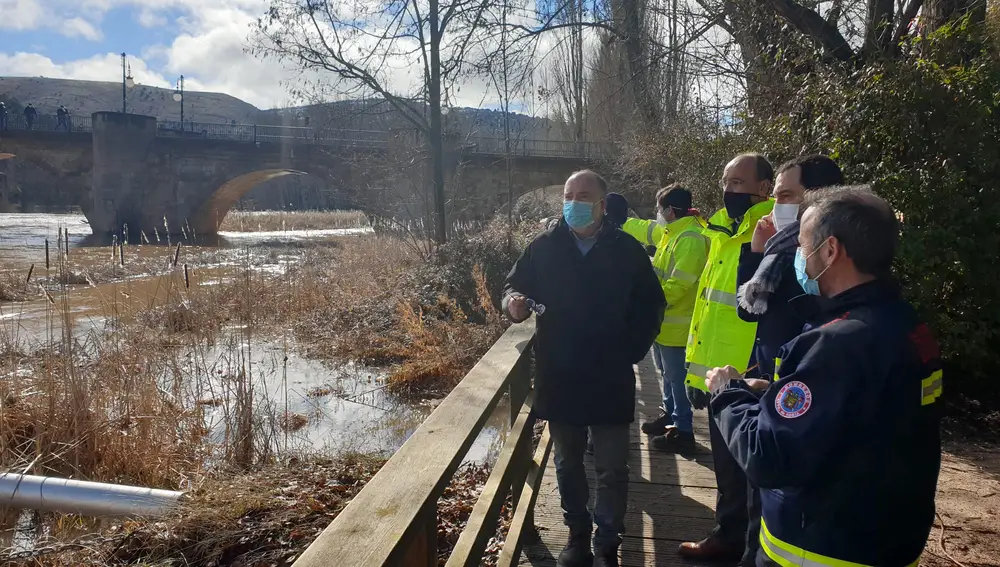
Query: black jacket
[[845, 446], [789, 308], [602, 313]]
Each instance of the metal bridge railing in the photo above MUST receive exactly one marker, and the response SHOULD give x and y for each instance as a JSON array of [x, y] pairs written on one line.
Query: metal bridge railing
[[46, 123], [264, 133]]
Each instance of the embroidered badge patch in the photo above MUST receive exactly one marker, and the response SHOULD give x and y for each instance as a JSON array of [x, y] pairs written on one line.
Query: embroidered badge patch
[[794, 400]]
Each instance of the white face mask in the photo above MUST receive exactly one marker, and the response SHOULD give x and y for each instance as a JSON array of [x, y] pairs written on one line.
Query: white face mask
[[784, 214], [660, 219]]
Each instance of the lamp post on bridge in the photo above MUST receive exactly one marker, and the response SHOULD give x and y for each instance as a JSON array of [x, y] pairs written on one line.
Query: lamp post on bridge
[[127, 81], [179, 97]]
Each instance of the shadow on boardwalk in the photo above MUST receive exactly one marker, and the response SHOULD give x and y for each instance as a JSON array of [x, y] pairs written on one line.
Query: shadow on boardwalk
[[671, 498]]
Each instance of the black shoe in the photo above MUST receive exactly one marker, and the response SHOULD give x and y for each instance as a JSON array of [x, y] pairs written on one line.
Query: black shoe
[[577, 551], [607, 560], [657, 426], [674, 441]]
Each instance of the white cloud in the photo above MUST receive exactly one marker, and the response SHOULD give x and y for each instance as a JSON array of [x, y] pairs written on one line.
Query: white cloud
[[25, 15], [21, 14], [78, 27], [105, 67], [150, 19]]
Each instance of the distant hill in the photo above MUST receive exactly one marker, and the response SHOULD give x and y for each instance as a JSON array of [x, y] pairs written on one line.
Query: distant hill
[[379, 115], [86, 97]]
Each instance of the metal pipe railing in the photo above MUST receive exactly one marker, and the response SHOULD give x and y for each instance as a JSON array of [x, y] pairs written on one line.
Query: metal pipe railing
[[52, 494]]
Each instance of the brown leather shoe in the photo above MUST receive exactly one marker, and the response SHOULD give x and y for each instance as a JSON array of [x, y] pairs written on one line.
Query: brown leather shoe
[[712, 549]]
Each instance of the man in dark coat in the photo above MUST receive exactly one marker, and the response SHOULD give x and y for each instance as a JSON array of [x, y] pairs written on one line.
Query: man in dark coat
[[29, 115], [603, 308]]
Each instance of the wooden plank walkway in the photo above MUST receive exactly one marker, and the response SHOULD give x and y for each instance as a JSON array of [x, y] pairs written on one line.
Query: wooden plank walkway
[[671, 498]]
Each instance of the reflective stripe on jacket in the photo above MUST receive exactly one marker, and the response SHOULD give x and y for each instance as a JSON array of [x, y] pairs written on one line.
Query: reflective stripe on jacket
[[678, 263], [718, 337], [647, 232], [785, 554]]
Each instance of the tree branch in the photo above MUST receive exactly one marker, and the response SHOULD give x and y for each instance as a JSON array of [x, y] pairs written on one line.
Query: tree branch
[[813, 25], [878, 34], [904, 23]]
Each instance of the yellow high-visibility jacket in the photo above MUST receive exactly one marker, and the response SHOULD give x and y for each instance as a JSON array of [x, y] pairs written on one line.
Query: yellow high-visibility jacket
[[647, 232], [679, 259], [718, 336]]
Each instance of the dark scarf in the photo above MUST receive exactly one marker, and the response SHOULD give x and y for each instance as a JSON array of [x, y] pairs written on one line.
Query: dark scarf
[[779, 253]]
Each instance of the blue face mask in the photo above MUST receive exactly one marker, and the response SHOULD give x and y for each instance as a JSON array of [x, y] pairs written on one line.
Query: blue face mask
[[578, 214], [809, 285]]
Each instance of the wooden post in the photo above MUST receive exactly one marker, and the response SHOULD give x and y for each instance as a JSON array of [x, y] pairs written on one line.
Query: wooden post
[[422, 551], [520, 385], [46, 253]]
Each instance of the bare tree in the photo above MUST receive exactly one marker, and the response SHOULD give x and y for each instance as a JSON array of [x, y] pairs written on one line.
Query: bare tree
[[406, 52]]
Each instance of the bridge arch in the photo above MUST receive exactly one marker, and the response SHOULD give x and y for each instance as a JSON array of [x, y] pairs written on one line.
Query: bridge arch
[[208, 217]]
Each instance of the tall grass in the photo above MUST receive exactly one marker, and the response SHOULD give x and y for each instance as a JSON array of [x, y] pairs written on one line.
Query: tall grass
[[273, 221], [120, 403]]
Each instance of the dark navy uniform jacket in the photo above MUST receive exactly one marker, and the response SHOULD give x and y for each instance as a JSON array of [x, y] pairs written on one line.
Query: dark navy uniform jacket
[[789, 309], [845, 446]]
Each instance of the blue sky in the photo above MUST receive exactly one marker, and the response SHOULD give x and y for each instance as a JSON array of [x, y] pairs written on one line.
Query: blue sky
[[202, 39]]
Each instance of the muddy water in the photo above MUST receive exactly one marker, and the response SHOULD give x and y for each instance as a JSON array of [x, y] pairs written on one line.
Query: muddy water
[[332, 407]]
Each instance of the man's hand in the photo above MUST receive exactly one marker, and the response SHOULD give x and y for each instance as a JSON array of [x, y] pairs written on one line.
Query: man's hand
[[757, 385], [517, 306], [717, 378], [699, 398], [764, 230]]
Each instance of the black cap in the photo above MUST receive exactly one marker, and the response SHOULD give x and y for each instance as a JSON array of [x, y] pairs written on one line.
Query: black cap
[[678, 198], [616, 208]]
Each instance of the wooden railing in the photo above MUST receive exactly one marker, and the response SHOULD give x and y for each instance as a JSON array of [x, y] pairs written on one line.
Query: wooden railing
[[393, 520]]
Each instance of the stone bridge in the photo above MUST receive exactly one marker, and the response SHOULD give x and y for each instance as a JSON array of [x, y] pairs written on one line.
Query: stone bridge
[[128, 172]]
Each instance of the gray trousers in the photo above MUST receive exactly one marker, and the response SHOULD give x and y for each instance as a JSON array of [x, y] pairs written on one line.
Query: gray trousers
[[611, 444]]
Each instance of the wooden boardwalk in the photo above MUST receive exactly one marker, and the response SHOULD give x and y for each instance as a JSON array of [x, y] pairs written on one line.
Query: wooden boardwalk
[[671, 498]]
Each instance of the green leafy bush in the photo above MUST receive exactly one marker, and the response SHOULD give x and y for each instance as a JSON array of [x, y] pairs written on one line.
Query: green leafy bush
[[925, 131]]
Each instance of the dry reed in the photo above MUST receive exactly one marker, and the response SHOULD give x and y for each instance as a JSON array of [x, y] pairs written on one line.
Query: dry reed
[[274, 221], [127, 402]]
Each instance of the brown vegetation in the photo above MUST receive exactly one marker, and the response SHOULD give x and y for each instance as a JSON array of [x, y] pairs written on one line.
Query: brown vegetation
[[127, 401], [272, 221], [265, 517], [88, 407]]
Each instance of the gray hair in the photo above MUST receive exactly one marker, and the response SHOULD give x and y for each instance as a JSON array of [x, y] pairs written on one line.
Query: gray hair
[[863, 223]]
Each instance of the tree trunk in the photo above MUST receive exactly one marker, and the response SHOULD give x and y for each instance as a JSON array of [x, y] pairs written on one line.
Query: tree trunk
[[937, 13], [436, 143]]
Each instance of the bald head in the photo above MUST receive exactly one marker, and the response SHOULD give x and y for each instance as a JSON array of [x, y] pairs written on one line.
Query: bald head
[[748, 173], [586, 187], [588, 178]]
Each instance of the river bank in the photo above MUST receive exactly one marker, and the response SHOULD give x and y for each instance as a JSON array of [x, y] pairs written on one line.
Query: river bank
[[295, 347]]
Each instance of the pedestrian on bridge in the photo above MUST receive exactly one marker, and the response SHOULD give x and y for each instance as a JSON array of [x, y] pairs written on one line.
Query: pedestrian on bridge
[[29, 115], [603, 307], [718, 337], [62, 118], [845, 445], [681, 252]]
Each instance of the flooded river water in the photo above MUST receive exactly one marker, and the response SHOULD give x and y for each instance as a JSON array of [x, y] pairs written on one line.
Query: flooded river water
[[341, 406]]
